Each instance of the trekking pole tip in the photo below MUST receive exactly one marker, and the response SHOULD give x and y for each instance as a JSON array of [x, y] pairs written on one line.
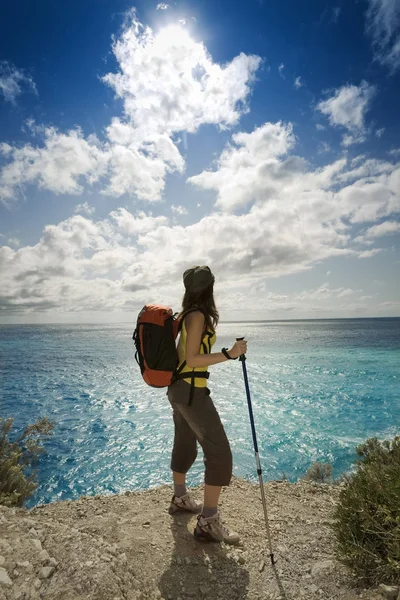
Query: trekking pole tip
[[272, 559]]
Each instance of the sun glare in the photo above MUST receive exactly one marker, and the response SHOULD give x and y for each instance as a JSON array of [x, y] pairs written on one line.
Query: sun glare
[[172, 35]]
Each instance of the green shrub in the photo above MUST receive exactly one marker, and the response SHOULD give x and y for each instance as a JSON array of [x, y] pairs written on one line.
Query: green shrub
[[18, 459], [367, 518], [319, 472]]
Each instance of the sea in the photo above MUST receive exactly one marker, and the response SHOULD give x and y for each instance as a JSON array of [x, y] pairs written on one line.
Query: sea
[[319, 388]]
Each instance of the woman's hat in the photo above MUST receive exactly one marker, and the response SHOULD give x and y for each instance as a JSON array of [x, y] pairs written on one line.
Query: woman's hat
[[197, 279]]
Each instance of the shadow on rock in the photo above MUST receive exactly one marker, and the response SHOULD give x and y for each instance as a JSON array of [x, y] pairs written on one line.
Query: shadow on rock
[[202, 570]]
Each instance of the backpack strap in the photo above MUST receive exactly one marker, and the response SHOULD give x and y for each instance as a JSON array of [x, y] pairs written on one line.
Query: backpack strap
[[185, 313], [194, 374]]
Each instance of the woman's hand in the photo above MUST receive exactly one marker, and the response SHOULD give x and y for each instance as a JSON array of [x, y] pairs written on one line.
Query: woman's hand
[[239, 348]]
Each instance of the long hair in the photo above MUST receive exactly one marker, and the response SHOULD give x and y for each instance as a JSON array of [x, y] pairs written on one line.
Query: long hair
[[205, 302]]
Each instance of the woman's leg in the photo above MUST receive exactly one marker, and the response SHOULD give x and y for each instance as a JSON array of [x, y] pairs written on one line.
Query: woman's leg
[[183, 454], [205, 423], [179, 483], [211, 498]]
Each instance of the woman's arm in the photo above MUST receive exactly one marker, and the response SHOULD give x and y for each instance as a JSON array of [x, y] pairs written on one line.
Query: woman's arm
[[194, 328]]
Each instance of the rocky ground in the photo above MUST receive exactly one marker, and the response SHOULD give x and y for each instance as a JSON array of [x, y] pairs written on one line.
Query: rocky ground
[[127, 547]]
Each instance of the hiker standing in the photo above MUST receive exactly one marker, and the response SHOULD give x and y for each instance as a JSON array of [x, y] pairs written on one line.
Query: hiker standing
[[195, 416]]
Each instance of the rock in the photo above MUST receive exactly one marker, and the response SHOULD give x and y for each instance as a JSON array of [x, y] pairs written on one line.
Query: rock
[[37, 583], [9, 565], [2, 560], [389, 591], [46, 572], [105, 558], [37, 543], [33, 532], [313, 588], [23, 563], [53, 562], [4, 545], [44, 556], [261, 566], [322, 567], [5, 580], [241, 560]]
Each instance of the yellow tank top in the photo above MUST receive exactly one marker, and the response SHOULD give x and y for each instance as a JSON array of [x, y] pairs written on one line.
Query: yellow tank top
[[207, 342]]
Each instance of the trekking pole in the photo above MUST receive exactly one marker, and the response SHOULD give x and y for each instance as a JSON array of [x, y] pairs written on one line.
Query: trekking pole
[[259, 470]]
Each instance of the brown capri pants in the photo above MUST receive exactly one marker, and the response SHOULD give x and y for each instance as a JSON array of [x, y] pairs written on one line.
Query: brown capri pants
[[199, 422]]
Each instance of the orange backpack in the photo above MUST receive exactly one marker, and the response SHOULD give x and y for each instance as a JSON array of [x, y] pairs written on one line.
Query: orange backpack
[[155, 340]]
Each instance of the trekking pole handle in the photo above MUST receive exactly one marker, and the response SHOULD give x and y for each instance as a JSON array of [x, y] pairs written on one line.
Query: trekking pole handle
[[242, 356]]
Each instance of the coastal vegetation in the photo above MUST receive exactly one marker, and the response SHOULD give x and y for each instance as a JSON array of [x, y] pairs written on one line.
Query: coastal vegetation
[[18, 460], [367, 516], [319, 472]]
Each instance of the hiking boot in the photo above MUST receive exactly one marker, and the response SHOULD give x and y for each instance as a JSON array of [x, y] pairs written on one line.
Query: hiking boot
[[213, 530], [184, 503]]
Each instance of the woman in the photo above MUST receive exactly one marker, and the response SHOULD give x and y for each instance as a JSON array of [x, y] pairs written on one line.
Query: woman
[[195, 416]]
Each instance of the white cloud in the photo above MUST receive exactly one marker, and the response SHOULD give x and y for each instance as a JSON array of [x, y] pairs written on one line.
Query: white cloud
[[59, 165], [280, 69], [291, 197], [117, 263], [324, 147], [379, 132], [347, 108], [132, 226], [179, 210], [11, 241], [84, 208], [369, 253], [73, 268], [240, 165], [162, 6], [298, 83], [385, 228], [255, 169], [394, 152], [349, 139], [13, 81], [320, 127], [141, 171], [168, 84], [383, 25]]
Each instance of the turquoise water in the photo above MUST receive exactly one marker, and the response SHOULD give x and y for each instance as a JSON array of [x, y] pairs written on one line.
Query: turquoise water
[[318, 388]]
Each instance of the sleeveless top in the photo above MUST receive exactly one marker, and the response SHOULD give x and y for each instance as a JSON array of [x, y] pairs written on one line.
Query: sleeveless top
[[207, 342]]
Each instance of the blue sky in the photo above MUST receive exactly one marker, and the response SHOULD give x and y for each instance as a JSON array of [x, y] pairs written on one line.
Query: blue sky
[[261, 138]]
